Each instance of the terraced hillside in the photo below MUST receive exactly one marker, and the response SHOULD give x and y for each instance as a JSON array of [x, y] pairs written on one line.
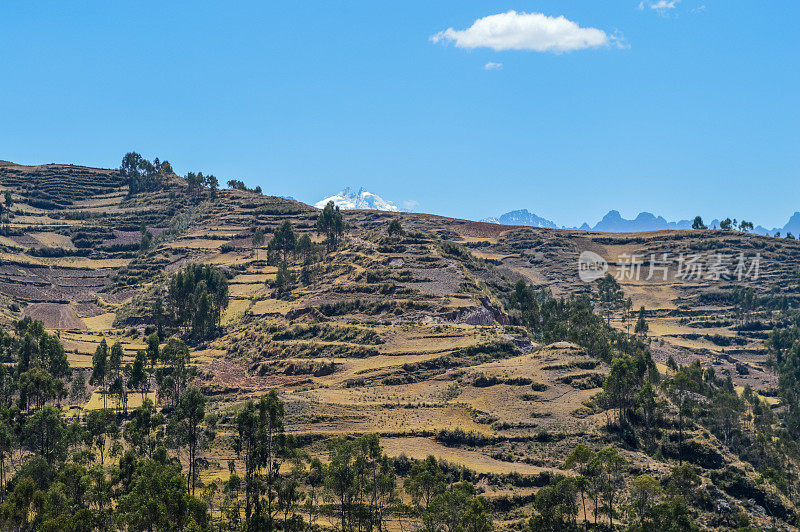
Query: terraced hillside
[[415, 337]]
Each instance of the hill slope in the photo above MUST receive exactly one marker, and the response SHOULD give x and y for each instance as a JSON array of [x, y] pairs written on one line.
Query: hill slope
[[413, 337]]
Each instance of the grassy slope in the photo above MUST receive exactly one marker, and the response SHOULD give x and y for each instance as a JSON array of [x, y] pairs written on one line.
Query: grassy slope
[[436, 312]]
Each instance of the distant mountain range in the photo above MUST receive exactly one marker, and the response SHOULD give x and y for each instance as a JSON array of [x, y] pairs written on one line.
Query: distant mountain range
[[521, 217], [613, 222], [348, 199]]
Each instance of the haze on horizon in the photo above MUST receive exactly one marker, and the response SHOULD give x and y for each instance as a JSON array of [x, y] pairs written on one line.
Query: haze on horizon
[[677, 108]]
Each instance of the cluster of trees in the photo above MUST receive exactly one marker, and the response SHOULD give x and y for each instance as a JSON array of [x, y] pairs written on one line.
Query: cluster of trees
[[661, 414], [649, 504], [142, 471], [143, 175], [286, 248], [729, 224], [726, 224], [357, 489], [54, 468], [196, 297], [572, 319], [330, 224], [239, 185], [197, 181], [165, 369]]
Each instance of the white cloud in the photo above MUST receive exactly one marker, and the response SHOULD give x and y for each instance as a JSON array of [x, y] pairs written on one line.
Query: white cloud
[[664, 4], [493, 66], [410, 205], [659, 5], [526, 31]]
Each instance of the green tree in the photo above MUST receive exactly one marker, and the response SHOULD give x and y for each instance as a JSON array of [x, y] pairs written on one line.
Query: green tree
[[258, 239], [645, 492], [330, 224], [647, 405], [641, 327], [264, 447], [157, 500], [556, 505], [146, 239], [46, 434], [458, 508], [142, 431], [672, 515], [141, 174], [153, 351], [115, 372], [524, 298], [315, 480], [193, 430], [78, 393], [284, 240], [361, 480], [159, 317], [622, 384], [681, 386], [304, 249], [698, 223], [196, 297], [213, 184], [284, 279], [610, 465], [609, 295], [137, 380], [580, 459], [683, 483], [176, 372], [395, 229], [100, 368], [195, 181], [7, 444], [425, 481], [101, 424]]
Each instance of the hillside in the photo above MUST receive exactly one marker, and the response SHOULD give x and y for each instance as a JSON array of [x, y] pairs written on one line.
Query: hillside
[[415, 337]]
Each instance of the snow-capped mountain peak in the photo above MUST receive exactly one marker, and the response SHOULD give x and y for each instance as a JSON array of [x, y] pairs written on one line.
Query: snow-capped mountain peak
[[521, 217], [347, 199]]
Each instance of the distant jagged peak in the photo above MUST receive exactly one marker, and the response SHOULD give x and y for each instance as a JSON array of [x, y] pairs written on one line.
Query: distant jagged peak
[[614, 222], [347, 199], [521, 217]]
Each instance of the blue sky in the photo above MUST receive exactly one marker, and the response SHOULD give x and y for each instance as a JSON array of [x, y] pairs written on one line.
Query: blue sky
[[687, 109]]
